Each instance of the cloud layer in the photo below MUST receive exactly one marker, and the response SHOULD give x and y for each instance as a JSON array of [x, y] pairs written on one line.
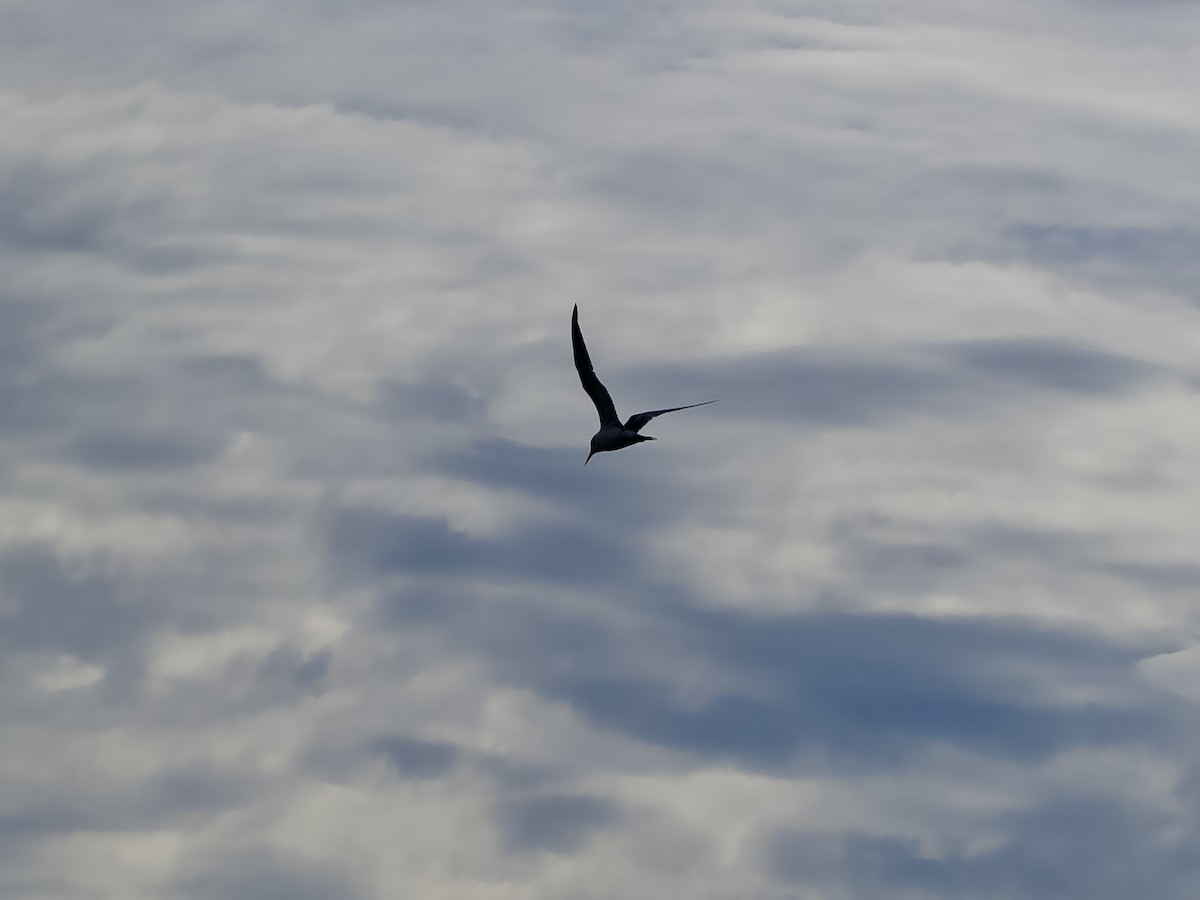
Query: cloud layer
[[305, 592]]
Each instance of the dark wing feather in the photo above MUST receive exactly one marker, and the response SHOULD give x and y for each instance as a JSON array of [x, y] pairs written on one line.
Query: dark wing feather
[[587, 377], [638, 422]]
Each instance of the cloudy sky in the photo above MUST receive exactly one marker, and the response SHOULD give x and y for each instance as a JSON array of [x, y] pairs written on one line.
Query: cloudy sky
[[305, 592]]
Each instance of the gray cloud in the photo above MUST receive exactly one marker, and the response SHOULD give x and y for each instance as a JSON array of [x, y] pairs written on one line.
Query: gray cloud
[[384, 544], [416, 758], [1059, 849], [1158, 258], [269, 874], [554, 823], [1055, 365], [125, 451], [88, 614], [857, 388], [176, 797], [863, 689], [434, 401], [916, 565]]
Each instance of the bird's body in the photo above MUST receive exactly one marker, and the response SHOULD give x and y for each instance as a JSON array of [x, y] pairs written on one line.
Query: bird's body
[[613, 434]]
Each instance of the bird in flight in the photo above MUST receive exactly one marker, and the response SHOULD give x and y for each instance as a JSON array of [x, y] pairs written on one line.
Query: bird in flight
[[612, 434]]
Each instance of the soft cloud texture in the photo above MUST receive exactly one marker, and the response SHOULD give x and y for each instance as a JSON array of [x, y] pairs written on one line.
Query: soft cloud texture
[[305, 592]]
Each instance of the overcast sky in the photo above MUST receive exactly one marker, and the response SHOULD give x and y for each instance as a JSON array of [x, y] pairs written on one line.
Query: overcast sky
[[305, 593]]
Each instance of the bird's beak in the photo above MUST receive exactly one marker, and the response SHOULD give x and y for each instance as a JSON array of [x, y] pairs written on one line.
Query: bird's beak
[[589, 459]]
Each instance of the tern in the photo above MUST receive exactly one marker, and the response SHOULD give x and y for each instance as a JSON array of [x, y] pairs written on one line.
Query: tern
[[612, 434]]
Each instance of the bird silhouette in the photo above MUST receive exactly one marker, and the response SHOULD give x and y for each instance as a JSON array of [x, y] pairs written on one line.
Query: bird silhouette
[[612, 434]]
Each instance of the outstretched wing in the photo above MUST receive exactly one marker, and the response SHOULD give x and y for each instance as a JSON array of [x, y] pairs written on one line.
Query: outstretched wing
[[638, 422], [587, 376]]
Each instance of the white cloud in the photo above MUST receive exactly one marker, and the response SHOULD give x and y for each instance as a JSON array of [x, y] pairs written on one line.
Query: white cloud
[[64, 673]]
